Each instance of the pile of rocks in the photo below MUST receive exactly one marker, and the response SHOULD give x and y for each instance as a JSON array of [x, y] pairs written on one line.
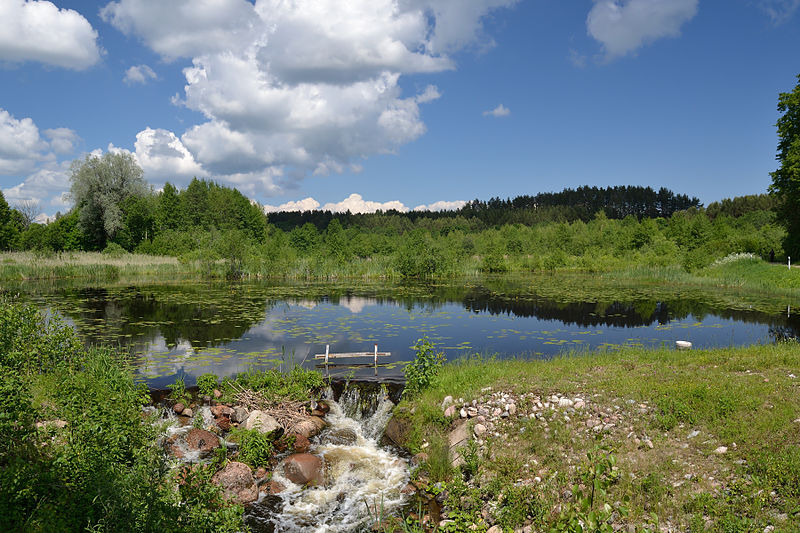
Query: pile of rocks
[[237, 479]]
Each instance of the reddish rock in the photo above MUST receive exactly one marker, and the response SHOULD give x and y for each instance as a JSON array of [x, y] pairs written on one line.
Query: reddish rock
[[178, 408], [237, 482], [318, 412], [224, 423], [275, 487], [201, 440], [217, 393], [260, 473], [324, 407], [221, 410], [303, 469], [301, 443], [309, 427]]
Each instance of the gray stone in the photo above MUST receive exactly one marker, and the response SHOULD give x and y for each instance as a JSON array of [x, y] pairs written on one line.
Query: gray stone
[[693, 434], [448, 400], [188, 412], [479, 429], [721, 450], [450, 411], [262, 422], [239, 415]]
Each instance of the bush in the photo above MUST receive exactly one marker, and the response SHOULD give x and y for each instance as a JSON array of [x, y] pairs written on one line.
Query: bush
[[255, 448], [421, 372], [101, 471], [114, 250], [206, 384]]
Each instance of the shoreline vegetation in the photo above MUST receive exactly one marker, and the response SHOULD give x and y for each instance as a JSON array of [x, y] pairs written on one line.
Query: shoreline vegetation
[[737, 270], [683, 440]]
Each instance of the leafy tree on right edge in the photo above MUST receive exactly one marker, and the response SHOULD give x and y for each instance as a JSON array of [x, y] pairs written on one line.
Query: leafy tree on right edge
[[786, 180]]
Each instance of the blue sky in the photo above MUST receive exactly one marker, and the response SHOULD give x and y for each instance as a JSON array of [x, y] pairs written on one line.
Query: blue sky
[[397, 103]]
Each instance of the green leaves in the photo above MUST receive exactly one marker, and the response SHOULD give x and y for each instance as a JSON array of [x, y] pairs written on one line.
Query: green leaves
[[421, 372]]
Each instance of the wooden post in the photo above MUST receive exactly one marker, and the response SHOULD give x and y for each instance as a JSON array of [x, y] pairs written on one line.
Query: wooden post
[[327, 347]]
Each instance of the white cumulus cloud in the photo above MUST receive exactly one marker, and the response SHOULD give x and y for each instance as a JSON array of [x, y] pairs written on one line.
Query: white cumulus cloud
[[498, 112], [21, 147], [306, 204], [40, 31], [302, 87], [163, 157], [356, 204], [62, 140], [139, 74], [623, 26], [442, 205], [47, 186]]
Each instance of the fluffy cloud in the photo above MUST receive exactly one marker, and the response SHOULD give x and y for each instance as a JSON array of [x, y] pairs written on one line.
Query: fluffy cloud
[[497, 112], [623, 26], [39, 31], [306, 204], [62, 140], [441, 205], [47, 187], [355, 203], [163, 156], [21, 146], [139, 74], [303, 87]]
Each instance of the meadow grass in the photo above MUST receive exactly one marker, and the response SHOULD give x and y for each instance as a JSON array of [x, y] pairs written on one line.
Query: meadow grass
[[743, 398]]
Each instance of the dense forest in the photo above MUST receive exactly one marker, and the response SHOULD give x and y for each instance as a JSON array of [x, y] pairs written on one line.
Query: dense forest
[[588, 228]]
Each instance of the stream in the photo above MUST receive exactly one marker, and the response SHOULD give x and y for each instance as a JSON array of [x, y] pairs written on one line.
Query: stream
[[362, 479]]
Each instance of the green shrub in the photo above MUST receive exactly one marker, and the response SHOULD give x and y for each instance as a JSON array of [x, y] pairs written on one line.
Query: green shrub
[[101, 471], [421, 372], [206, 383], [114, 250], [255, 448]]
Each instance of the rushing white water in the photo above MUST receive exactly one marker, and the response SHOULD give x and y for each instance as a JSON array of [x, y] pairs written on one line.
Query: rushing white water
[[358, 473]]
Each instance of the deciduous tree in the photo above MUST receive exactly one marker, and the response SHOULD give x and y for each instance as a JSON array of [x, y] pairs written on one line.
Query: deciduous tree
[[786, 179], [100, 186]]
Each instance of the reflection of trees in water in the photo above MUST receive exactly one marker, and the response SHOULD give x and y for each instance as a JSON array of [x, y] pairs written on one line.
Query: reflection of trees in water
[[784, 333], [211, 315], [136, 317]]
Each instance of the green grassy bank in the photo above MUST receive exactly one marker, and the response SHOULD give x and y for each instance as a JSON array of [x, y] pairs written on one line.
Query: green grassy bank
[[700, 440], [738, 270]]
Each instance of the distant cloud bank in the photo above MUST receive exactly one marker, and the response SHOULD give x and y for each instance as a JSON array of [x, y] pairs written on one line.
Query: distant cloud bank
[[355, 203]]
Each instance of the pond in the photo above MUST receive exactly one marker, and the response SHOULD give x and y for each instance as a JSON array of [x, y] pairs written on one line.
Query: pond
[[187, 329]]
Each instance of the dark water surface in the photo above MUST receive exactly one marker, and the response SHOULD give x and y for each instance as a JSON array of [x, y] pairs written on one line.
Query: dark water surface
[[187, 329]]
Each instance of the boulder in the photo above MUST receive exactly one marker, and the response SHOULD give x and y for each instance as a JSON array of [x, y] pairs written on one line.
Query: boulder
[[303, 469], [275, 487], [200, 440], [261, 421], [239, 415], [301, 444], [308, 427], [178, 408], [397, 431], [237, 482], [217, 393], [221, 410], [188, 412]]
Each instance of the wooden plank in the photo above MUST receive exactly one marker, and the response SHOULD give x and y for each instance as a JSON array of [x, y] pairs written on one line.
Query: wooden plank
[[353, 354]]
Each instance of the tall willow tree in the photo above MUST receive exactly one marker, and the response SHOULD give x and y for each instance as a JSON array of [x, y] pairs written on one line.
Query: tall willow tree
[[100, 188], [786, 180]]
